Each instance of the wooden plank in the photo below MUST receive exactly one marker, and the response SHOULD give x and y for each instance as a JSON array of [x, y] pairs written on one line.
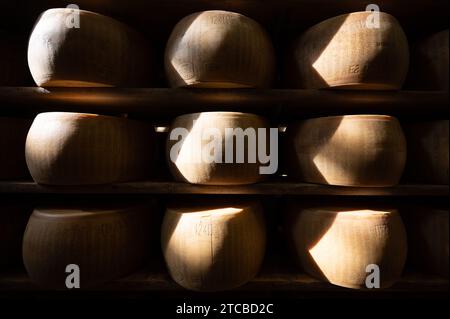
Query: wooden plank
[[267, 188], [146, 280], [166, 103]]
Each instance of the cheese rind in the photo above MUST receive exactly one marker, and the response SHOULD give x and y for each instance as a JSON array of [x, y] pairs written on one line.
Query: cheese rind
[[219, 49], [350, 150], [191, 165], [214, 246], [429, 69], [351, 52], [429, 241], [100, 52], [337, 244], [78, 148], [105, 243], [428, 159]]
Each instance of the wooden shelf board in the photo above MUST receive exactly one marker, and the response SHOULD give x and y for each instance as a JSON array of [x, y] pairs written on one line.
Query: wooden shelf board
[[166, 103], [146, 280], [266, 188]]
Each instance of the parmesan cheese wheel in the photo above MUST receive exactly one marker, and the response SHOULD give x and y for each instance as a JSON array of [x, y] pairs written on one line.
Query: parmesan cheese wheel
[[219, 49], [77, 148], [351, 52], [98, 51], [13, 133], [337, 244], [198, 156], [104, 242], [13, 219], [430, 68], [210, 247], [429, 241], [427, 152], [350, 150]]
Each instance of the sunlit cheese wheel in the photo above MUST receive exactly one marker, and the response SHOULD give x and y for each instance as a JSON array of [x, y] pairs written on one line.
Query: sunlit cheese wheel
[[77, 148], [195, 156], [100, 52], [219, 49], [337, 244], [13, 61], [211, 247], [429, 241], [427, 152], [13, 133], [343, 52], [431, 57], [350, 150], [104, 242], [13, 219]]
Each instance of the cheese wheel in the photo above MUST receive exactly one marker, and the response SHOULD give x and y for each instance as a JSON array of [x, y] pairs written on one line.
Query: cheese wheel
[[198, 156], [13, 62], [104, 242], [98, 51], [219, 49], [13, 133], [77, 148], [427, 152], [428, 238], [430, 68], [337, 244], [350, 150], [346, 52], [213, 246], [13, 219]]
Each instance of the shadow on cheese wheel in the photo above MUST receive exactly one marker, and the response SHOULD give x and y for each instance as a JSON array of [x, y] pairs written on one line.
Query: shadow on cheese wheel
[[427, 152], [104, 242], [346, 52], [196, 156], [428, 239], [350, 150], [77, 149], [337, 244], [219, 49], [13, 133], [213, 246], [77, 48], [13, 219], [429, 63]]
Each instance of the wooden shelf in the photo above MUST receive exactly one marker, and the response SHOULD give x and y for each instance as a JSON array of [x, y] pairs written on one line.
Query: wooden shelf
[[148, 281], [167, 103], [267, 188]]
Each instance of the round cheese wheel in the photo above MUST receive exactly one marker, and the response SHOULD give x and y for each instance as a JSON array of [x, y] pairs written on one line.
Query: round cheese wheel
[[430, 64], [77, 148], [71, 47], [337, 244], [219, 49], [211, 247], [429, 241], [105, 243], [13, 219], [199, 157], [13, 133], [351, 52], [350, 150], [427, 152]]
